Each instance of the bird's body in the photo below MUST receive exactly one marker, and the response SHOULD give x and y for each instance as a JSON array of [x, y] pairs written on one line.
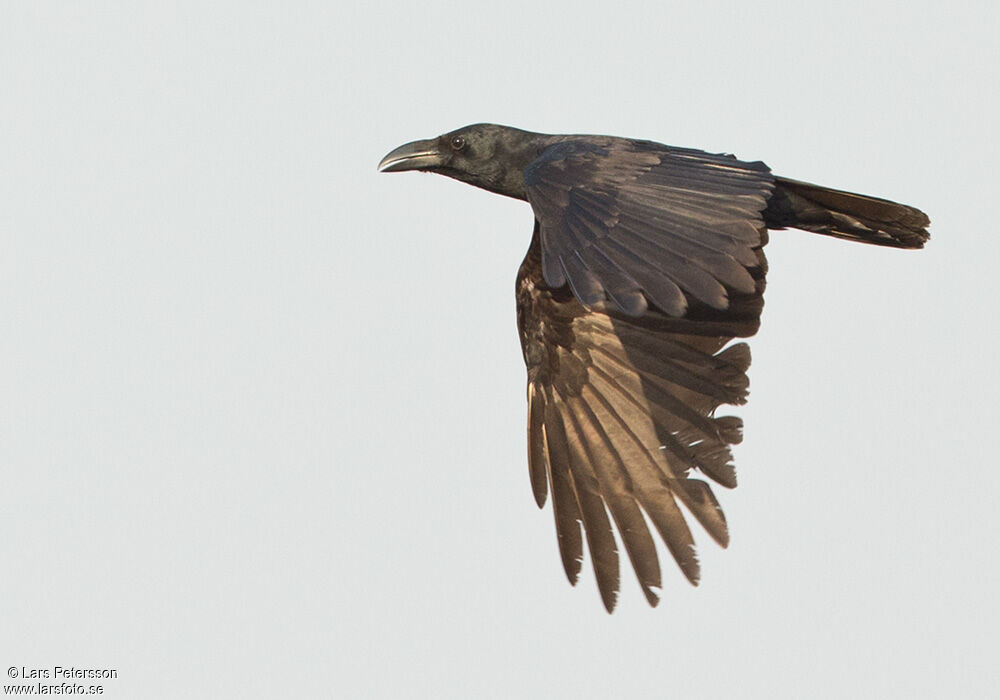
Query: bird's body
[[646, 261]]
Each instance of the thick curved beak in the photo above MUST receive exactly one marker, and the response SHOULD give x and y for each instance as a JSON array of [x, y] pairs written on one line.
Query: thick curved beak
[[417, 155]]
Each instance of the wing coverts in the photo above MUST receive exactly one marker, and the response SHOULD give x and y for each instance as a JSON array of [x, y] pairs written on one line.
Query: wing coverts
[[644, 223]]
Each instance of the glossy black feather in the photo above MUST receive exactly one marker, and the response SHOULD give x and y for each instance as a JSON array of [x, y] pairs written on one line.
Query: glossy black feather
[[646, 262], [678, 224]]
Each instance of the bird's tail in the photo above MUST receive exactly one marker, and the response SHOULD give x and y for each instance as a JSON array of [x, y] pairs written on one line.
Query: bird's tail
[[856, 217]]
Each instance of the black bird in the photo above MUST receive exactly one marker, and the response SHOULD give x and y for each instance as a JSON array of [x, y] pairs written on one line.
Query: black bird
[[645, 262]]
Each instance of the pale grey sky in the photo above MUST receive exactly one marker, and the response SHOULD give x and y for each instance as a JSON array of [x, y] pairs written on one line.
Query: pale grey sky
[[262, 408]]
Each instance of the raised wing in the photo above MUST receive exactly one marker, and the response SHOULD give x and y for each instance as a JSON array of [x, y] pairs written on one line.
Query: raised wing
[[639, 222], [621, 416]]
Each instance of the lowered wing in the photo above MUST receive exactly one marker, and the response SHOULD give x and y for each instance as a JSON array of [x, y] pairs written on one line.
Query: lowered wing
[[645, 263], [621, 420]]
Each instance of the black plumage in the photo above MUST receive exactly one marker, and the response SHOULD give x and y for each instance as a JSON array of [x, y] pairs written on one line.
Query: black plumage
[[645, 263]]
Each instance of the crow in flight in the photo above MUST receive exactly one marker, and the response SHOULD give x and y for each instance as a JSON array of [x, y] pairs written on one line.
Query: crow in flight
[[645, 262]]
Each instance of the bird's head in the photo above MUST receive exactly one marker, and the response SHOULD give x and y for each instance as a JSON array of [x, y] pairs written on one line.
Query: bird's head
[[485, 155]]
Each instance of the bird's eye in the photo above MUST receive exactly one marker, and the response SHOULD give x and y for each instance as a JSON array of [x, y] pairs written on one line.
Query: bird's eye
[[457, 142]]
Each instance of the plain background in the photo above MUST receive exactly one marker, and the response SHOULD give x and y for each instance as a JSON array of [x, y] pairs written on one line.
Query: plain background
[[262, 408]]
